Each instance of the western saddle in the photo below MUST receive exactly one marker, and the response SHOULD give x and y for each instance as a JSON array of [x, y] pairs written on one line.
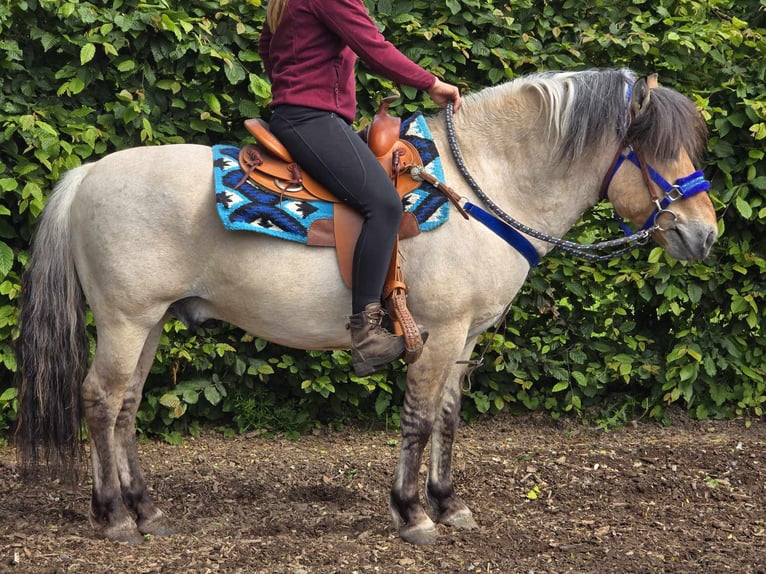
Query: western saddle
[[269, 165]]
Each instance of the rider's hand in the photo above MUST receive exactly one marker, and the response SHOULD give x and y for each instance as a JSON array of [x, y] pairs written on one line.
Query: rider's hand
[[442, 93]]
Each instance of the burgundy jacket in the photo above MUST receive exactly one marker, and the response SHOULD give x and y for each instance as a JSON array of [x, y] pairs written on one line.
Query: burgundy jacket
[[310, 58]]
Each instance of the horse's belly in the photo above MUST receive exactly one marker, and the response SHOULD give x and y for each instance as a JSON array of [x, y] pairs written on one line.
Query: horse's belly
[[285, 293]]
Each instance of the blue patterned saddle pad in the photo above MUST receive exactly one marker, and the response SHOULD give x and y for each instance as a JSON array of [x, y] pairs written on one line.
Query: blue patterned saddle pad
[[251, 208]]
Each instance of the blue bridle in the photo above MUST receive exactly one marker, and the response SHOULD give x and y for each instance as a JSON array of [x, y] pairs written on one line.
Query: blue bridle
[[683, 188]]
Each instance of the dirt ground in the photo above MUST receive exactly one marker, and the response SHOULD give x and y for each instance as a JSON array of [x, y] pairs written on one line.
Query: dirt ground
[[549, 497]]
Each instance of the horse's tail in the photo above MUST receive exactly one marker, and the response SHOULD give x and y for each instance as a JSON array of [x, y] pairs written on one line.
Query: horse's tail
[[52, 349]]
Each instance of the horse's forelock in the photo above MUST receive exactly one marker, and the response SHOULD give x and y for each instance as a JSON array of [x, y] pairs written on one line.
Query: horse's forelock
[[669, 123]]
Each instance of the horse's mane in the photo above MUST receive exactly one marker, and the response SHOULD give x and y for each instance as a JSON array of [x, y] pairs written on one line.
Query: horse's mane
[[588, 108]]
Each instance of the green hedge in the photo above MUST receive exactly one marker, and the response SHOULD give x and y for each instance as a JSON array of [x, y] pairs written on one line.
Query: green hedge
[[615, 340]]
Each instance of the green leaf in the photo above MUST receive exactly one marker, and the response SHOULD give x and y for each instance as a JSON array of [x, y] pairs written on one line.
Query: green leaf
[[87, 53], [695, 293], [481, 401], [689, 372], [382, 403], [454, 6], [76, 85], [743, 207], [260, 87], [235, 73], [170, 400], [560, 386], [580, 378], [212, 395], [127, 66], [213, 103], [8, 184], [655, 255], [6, 259], [172, 85]]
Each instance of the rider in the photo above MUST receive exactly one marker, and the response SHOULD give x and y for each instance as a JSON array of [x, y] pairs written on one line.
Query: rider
[[309, 50]]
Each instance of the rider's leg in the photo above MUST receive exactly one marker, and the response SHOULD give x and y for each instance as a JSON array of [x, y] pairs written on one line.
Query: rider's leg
[[330, 150]]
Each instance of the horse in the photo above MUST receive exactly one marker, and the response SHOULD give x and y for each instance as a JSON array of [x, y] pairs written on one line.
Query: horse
[[135, 237]]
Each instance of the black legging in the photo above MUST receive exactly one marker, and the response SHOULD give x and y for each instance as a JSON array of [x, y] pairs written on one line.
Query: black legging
[[329, 149]]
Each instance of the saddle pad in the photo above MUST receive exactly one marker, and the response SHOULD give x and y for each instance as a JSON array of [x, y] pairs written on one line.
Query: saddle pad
[[250, 208]]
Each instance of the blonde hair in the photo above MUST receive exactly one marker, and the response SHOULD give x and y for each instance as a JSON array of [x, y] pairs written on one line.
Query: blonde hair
[[274, 12]]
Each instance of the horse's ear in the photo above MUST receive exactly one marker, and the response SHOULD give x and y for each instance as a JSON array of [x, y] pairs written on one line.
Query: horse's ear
[[642, 90]]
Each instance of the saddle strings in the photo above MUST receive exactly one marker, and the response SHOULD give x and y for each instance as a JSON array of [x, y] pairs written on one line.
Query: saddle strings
[[579, 249]]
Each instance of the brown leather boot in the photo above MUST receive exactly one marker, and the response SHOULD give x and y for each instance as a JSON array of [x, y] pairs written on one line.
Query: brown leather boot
[[372, 346]]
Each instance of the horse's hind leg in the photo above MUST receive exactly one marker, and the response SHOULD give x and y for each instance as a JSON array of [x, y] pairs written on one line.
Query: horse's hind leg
[[149, 518], [104, 392]]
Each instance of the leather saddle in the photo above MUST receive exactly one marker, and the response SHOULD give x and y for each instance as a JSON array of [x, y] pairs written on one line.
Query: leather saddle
[[269, 165]]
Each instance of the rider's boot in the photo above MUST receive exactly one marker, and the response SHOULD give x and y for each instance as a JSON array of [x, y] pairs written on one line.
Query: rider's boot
[[372, 346]]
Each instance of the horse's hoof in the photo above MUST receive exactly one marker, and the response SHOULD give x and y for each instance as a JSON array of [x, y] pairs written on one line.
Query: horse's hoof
[[419, 534], [461, 519], [122, 534], [124, 530], [157, 526]]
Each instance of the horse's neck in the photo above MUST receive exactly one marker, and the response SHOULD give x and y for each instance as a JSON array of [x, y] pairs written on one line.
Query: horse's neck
[[510, 160]]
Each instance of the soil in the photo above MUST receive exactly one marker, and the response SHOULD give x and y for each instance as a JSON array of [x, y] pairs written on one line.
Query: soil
[[548, 496]]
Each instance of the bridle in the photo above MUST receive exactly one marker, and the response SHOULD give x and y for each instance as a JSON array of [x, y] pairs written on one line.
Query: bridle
[[682, 188]]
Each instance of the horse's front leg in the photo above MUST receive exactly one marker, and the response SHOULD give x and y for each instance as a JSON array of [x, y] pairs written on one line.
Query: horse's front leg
[[149, 518], [440, 491], [414, 525], [425, 382]]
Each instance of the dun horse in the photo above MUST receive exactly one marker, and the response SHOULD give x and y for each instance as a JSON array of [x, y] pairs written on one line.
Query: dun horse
[[136, 235]]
